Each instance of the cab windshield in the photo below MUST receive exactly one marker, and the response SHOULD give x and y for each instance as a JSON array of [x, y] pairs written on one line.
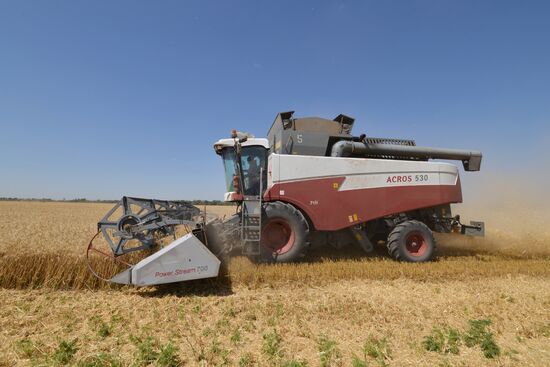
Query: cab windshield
[[253, 159]]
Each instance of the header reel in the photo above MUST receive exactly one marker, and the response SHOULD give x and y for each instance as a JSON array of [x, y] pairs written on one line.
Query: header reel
[[136, 224], [144, 220]]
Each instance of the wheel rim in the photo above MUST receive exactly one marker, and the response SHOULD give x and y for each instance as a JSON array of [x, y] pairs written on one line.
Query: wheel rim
[[416, 244], [278, 236]]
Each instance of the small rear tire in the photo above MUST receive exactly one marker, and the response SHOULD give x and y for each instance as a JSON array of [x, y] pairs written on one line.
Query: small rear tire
[[284, 233], [411, 241]]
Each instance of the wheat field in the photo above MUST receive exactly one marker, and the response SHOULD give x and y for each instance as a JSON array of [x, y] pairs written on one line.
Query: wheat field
[[334, 309]]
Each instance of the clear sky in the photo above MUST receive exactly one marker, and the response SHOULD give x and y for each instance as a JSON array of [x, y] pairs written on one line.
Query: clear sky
[[99, 99]]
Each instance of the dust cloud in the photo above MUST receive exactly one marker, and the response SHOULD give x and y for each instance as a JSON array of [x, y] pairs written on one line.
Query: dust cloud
[[516, 213]]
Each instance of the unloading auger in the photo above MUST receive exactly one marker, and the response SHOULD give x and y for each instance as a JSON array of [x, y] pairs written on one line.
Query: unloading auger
[[309, 183]]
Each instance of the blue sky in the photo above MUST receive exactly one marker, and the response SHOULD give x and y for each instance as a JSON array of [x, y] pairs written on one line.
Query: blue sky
[[99, 99]]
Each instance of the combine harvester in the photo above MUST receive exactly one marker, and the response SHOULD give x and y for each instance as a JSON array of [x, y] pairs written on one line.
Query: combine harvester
[[310, 183]]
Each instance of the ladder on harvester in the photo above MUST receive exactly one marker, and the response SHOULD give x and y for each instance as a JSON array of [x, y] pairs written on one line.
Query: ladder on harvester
[[251, 220]]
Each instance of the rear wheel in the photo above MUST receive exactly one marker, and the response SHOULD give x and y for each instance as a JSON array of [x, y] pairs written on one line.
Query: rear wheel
[[411, 241], [284, 233]]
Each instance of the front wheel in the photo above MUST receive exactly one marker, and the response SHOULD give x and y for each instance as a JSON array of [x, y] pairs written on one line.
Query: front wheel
[[411, 241], [284, 233]]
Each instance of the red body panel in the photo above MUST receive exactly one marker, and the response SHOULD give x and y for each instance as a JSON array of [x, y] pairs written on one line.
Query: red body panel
[[331, 209]]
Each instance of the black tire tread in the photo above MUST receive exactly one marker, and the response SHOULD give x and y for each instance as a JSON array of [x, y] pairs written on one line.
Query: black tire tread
[[301, 220], [397, 233]]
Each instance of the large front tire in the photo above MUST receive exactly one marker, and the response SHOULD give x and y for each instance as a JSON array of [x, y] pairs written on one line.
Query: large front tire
[[411, 241], [284, 233]]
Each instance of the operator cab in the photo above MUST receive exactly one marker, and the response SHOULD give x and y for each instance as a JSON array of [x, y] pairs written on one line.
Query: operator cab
[[243, 177]]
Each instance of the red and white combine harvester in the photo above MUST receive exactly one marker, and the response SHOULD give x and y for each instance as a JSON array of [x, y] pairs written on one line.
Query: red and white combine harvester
[[309, 183]]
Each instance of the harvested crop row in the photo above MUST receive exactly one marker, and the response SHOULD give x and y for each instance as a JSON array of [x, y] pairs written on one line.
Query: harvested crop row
[[274, 326]]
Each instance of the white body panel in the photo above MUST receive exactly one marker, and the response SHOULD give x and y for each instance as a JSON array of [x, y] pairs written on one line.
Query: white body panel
[[186, 258], [360, 173]]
